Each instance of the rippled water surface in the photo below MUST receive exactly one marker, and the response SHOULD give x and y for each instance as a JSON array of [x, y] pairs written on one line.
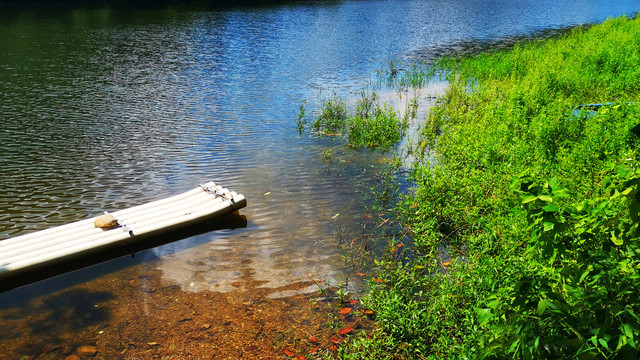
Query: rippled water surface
[[104, 107]]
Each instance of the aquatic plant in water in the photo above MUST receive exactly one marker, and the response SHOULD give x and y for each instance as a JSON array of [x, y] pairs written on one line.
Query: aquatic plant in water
[[374, 125]]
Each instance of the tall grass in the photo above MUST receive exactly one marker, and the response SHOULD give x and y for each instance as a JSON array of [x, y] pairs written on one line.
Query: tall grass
[[524, 220]]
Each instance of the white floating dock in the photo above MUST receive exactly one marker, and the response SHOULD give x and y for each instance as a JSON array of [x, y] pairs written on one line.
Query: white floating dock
[[46, 249]]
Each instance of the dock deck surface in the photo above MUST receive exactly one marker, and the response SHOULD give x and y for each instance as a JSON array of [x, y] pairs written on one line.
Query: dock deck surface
[[44, 250]]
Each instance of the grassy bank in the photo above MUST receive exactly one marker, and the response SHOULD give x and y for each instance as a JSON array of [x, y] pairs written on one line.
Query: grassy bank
[[523, 218]]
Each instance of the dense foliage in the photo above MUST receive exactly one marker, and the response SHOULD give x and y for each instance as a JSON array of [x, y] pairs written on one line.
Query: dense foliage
[[523, 218]]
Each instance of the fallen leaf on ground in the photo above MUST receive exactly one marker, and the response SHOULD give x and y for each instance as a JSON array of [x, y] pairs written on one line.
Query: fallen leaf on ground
[[288, 352], [377, 280], [345, 311], [312, 350], [345, 330], [361, 274], [313, 339], [353, 301]]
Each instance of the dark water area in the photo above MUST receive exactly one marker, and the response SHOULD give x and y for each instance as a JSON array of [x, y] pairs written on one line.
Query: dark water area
[[104, 106]]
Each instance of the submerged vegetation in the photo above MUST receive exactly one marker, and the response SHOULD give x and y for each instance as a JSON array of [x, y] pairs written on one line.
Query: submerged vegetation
[[523, 217]]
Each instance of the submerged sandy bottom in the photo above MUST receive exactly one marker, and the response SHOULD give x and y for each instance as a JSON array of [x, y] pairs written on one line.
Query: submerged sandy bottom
[[128, 316]]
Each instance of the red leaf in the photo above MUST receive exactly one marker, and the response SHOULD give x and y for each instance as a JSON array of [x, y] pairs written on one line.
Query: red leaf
[[336, 340], [345, 330], [312, 350], [288, 352], [377, 280], [313, 339], [352, 301], [367, 312], [399, 245], [301, 357], [361, 274], [345, 311], [333, 348]]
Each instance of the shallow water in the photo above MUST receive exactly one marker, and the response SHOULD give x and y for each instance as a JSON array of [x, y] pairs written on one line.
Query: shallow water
[[104, 107]]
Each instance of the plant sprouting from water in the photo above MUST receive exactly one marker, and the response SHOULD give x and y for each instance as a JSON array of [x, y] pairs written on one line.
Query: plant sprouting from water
[[411, 111], [381, 129], [366, 104], [301, 116], [326, 155], [374, 125], [414, 76], [333, 116]]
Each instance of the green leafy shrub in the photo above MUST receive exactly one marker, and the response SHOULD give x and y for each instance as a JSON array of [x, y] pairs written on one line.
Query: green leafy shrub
[[577, 296]]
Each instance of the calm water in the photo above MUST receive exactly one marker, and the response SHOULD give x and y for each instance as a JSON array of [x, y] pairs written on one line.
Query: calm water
[[106, 107]]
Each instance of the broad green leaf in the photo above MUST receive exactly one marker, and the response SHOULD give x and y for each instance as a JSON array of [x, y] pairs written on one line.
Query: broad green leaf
[[628, 330], [627, 191], [584, 275], [493, 304], [616, 241], [542, 306], [528, 199], [603, 343], [548, 225], [546, 198], [484, 315], [615, 195], [551, 208], [622, 341]]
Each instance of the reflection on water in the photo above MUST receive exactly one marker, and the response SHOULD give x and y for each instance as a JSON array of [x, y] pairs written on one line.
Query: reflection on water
[[106, 107]]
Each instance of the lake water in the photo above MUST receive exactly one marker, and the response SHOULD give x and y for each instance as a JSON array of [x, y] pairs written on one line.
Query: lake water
[[108, 106]]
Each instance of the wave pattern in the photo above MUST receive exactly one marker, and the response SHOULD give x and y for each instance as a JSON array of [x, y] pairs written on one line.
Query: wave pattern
[[103, 109]]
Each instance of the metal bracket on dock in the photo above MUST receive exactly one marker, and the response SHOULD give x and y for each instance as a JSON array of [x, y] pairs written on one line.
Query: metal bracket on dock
[[123, 225], [217, 192]]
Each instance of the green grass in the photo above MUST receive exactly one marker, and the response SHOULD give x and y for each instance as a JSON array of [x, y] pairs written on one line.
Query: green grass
[[523, 218]]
